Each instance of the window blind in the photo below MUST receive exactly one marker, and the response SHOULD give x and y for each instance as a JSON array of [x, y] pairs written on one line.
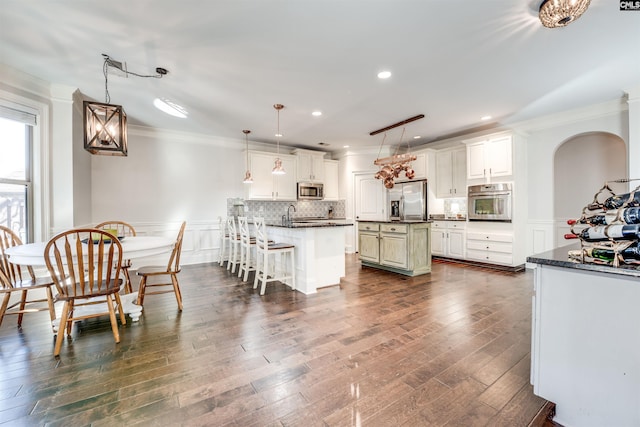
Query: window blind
[[18, 115]]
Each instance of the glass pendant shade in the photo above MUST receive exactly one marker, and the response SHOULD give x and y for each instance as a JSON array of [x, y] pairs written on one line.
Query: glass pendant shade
[[248, 179], [560, 13], [105, 129], [278, 169]]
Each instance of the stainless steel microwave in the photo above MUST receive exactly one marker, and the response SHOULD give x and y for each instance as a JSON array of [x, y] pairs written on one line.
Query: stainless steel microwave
[[490, 202], [310, 191]]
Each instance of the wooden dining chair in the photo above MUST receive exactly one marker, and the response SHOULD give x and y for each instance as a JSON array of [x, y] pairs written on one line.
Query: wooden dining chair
[[22, 280], [224, 240], [85, 267], [171, 271], [122, 229], [247, 244]]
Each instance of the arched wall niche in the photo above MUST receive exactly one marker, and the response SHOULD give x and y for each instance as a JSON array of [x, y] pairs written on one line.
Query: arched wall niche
[[581, 165]]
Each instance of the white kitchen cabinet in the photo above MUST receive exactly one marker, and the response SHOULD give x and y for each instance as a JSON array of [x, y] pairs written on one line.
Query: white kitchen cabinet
[[490, 158], [448, 239], [451, 168], [310, 166], [267, 186], [493, 248], [399, 247], [331, 180]]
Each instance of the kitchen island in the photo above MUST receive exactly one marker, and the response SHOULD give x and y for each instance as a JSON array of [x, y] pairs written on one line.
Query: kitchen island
[[320, 248], [585, 350], [402, 247]]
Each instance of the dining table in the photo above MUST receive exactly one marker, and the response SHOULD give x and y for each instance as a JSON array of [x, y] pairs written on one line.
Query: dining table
[[133, 247]]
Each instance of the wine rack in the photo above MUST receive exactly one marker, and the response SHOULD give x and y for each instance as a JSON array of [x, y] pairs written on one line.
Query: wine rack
[[600, 226]]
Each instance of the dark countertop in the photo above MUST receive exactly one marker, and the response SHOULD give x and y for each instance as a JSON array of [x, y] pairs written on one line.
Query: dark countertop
[[312, 224], [559, 258], [396, 222], [437, 217]]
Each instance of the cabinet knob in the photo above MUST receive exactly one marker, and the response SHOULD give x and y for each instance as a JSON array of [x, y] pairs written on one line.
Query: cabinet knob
[[393, 229]]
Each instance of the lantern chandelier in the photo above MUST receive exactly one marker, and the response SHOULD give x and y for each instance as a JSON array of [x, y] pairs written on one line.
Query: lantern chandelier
[[560, 13], [392, 166], [278, 169], [105, 124]]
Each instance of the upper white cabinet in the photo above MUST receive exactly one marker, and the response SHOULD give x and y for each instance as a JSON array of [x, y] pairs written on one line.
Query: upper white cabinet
[[419, 166], [267, 186], [310, 165], [489, 158], [331, 182], [451, 168]]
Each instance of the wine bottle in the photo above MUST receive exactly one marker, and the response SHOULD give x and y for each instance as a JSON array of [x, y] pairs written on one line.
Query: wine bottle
[[630, 253], [606, 232], [627, 215], [617, 201]]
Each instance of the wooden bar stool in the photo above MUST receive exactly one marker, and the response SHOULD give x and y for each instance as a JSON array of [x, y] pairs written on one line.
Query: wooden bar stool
[[234, 245], [247, 244], [224, 240], [266, 272]]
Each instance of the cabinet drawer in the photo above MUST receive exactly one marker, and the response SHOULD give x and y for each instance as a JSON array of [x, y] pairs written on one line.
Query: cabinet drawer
[[490, 237], [490, 257], [438, 224], [394, 228], [368, 226], [502, 247], [457, 225]]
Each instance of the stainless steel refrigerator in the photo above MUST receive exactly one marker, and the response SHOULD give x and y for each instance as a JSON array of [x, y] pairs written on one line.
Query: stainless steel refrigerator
[[408, 201]]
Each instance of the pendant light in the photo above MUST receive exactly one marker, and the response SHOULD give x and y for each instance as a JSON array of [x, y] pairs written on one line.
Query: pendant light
[[560, 13], [247, 175], [278, 169], [105, 124]]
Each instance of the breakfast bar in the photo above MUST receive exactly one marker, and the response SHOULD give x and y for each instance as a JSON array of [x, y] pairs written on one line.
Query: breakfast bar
[[585, 350], [319, 251]]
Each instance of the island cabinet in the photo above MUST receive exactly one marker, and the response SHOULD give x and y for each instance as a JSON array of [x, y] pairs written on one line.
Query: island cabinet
[[400, 247], [267, 186]]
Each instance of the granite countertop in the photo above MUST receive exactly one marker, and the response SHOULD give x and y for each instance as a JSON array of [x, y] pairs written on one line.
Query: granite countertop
[[396, 222], [559, 258], [441, 217], [312, 223]]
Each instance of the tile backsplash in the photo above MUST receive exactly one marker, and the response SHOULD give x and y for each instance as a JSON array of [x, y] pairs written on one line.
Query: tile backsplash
[[453, 207], [273, 211]]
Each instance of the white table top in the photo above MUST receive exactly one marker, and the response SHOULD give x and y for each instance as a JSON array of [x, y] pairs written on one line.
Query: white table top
[[132, 247]]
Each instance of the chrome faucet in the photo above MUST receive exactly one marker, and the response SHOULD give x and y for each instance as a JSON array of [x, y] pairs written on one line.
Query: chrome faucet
[[289, 213]]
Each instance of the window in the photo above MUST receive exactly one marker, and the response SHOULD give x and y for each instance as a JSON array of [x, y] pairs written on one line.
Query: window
[[16, 146]]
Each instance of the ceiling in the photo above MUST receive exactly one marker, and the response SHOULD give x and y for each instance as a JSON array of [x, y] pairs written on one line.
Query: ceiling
[[230, 61]]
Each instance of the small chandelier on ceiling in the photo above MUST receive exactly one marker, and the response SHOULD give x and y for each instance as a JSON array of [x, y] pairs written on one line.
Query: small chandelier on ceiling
[[248, 179], [105, 124], [560, 13], [278, 169]]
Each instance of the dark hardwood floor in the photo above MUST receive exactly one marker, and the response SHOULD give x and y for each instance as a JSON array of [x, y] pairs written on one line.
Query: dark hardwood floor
[[448, 348]]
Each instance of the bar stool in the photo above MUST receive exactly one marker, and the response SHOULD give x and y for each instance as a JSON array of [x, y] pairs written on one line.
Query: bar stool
[[234, 245], [247, 243], [269, 273], [224, 240]]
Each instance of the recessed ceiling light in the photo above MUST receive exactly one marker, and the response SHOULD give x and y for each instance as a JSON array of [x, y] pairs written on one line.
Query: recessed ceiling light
[[417, 137], [345, 146], [384, 74], [485, 118], [170, 108], [316, 113]]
